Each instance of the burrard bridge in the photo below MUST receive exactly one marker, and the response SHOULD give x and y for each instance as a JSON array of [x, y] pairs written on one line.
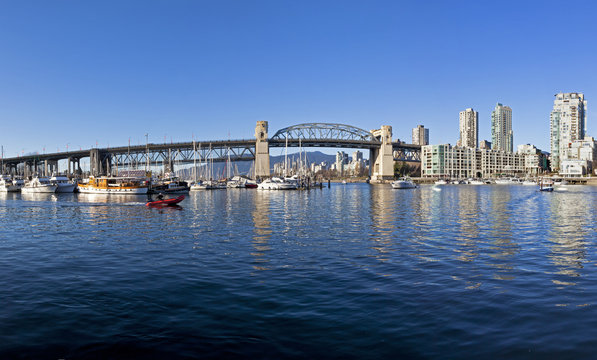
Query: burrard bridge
[[383, 151]]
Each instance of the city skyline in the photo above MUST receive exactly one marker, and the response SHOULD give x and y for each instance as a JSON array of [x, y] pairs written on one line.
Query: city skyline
[[77, 75]]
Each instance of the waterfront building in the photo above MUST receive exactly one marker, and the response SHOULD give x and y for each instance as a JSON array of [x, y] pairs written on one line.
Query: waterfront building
[[502, 137], [465, 162], [341, 160], [579, 158], [484, 144], [420, 135], [535, 160], [567, 124], [469, 128]]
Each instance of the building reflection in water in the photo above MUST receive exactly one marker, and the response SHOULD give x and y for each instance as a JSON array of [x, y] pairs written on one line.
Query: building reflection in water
[[384, 219], [501, 246], [262, 229], [569, 233]]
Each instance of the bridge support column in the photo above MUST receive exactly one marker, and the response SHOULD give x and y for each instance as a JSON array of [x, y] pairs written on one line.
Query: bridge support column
[[381, 160], [261, 150], [95, 162], [169, 164]]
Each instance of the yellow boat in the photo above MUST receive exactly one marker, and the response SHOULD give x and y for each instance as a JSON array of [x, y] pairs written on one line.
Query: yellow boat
[[114, 185]]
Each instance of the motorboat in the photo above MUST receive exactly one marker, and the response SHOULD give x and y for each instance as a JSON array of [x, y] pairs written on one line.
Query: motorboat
[[7, 185], [236, 182], [276, 183], [170, 185], [476, 182], [114, 185], [64, 185], [404, 183], [546, 185], [441, 182], [502, 181], [529, 182], [165, 202], [201, 185], [39, 185]]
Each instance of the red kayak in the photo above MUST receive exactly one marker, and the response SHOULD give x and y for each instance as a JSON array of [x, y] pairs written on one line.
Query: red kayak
[[166, 202]]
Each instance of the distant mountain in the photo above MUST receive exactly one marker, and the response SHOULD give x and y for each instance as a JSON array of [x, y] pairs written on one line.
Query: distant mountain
[[243, 167]]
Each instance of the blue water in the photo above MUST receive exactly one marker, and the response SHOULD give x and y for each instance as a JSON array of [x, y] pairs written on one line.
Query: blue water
[[351, 272]]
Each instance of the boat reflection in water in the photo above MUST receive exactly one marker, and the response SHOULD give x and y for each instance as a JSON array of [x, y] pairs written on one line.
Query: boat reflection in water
[[140, 199]]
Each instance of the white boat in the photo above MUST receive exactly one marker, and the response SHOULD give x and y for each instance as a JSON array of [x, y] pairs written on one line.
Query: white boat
[[529, 182], [170, 185], [236, 182], [404, 183], [502, 181], [39, 185], [276, 184], [476, 182], [7, 185], [114, 185], [441, 182], [64, 185], [201, 185], [546, 185]]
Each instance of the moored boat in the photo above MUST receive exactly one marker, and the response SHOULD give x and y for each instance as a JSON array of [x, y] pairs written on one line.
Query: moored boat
[[63, 184], [171, 185], [39, 185], [114, 185], [404, 183], [276, 184], [8, 185]]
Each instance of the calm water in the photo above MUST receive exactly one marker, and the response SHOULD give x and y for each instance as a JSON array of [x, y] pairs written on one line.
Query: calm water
[[355, 271]]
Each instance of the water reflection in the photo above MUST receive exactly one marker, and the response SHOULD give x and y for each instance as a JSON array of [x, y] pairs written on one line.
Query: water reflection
[[262, 230], [468, 211], [39, 196], [569, 233], [384, 219], [501, 247], [114, 198]]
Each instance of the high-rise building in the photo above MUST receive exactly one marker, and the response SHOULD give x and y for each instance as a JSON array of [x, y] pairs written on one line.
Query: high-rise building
[[502, 137], [568, 123], [420, 135], [469, 128], [485, 145]]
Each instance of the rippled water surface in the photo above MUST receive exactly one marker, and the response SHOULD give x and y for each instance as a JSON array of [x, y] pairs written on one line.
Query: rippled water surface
[[354, 271]]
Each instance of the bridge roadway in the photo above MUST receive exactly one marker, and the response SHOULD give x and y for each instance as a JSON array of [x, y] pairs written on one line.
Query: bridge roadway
[[240, 150], [167, 154]]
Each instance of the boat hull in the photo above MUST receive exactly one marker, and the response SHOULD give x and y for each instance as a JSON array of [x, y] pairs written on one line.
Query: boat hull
[[165, 202], [66, 188], [123, 191], [39, 189], [10, 188], [403, 185]]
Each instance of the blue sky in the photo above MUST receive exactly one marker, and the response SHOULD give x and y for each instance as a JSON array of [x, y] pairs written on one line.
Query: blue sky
[[81, 72]]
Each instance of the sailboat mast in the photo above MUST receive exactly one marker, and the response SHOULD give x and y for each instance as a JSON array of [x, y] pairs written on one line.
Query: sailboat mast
[[194, 161]]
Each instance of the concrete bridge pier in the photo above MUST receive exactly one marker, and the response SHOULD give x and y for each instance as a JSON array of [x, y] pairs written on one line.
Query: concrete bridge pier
[[261, 150], [382, 159], [73, 166], [50, 166], [99, 163], [168, 163]]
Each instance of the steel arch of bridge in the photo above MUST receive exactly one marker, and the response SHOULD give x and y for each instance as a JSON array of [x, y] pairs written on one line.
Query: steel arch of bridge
[[323, 132]]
